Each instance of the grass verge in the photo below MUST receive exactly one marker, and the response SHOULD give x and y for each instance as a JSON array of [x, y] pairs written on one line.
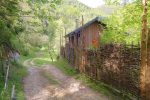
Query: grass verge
[[17, 72], [63, 65]]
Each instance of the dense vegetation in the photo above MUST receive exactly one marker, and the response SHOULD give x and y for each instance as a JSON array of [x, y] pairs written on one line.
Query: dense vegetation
[[32, 25]]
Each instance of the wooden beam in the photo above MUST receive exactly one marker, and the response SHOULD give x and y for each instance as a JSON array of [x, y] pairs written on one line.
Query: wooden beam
[[82, 20]]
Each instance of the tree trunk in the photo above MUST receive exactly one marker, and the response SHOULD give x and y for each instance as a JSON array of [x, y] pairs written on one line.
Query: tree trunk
[[51, 56], [60, 44], [2, 66], [65, 34], [148, 68], [62, 39], [143, 63], [49, 51]]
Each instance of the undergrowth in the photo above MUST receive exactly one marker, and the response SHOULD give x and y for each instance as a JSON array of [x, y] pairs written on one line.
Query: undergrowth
[[17, 72]]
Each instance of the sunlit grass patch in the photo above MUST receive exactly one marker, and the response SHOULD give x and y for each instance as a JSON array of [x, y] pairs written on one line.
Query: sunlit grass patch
[[64, 67], [40, 62]]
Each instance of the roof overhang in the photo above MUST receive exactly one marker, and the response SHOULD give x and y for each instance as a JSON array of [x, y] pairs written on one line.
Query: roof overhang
[[97, 19]]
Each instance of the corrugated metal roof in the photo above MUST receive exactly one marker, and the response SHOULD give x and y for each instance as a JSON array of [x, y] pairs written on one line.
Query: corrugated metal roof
[[97, 19]]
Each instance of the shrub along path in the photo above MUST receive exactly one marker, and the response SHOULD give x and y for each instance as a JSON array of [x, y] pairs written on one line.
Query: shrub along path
[[47, 82]]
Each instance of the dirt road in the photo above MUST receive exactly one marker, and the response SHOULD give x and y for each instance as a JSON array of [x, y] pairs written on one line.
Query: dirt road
[[47, 82]]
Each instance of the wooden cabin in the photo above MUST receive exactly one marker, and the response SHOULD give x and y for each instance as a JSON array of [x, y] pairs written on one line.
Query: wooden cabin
[[81, 39]]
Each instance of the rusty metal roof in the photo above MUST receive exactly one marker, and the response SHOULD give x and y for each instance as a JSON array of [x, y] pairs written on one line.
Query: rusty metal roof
[[97, 19]]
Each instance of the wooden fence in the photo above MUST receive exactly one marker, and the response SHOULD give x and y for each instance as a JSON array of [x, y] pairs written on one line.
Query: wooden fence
[[114, 64]]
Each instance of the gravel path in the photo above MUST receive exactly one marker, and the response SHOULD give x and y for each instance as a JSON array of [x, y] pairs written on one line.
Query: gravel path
[[39, 87]]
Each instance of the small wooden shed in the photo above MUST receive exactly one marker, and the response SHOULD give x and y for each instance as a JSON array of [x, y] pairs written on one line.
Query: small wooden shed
[[81, 39]]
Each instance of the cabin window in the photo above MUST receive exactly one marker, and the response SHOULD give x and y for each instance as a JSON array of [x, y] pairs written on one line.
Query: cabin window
[[69, 39], [78, 36], [72, 39]]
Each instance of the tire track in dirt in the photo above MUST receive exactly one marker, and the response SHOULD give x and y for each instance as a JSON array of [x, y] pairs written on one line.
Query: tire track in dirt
[[38, 87]]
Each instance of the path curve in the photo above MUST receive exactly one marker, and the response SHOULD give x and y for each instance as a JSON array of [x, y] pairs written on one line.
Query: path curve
[[38, 87]]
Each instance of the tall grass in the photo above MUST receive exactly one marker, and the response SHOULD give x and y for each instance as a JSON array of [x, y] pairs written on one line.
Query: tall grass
[[16, 74]]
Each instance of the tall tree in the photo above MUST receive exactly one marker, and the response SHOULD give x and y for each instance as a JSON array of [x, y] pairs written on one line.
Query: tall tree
[[143, 51], [148, 68]]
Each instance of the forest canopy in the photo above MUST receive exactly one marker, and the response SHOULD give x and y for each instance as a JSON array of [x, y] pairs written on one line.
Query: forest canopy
[[34, 23]]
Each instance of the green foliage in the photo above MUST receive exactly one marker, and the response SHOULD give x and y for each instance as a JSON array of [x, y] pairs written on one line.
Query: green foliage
[[41, 26], [4, 95], [17, 72], [50, 20], [8, 20], [112, 2], [124, 25]]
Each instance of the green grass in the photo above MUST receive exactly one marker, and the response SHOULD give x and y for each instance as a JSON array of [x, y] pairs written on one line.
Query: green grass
[[17, 72], [40, 62], [65, 67], [23, 58]]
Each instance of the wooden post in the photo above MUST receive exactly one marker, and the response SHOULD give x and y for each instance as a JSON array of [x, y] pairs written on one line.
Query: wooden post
[[60, 44], [65, 35], [2, 65], [6, 78], [77, 23], [62, 38], [148, 68], [143, 63], [82, 20], [13, 93]]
